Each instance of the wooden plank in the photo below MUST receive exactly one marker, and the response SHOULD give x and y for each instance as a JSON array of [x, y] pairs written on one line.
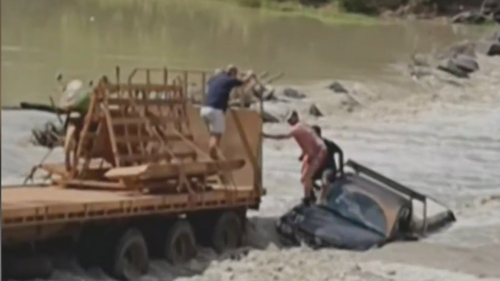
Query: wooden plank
[[121, 205], [60, 168], [141, 87], [248, 150], [94, 184], [147, 101], [118, 173], [116, 121], [55, 168], [166, 171], [136, 120], [136, 139], [157, 156]]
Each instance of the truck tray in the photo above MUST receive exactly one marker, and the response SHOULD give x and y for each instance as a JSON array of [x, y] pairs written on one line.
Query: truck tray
[[38, 205]]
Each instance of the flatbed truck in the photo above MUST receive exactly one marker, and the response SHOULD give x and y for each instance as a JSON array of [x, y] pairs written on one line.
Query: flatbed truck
[[115, 204]]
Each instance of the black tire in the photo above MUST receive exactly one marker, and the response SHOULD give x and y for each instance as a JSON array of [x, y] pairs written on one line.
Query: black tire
[[91, 248], [129, 257], [180, 243], [227, 233], [26, 268]]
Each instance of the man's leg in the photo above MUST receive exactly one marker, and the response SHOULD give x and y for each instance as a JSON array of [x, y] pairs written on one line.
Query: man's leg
[[215, 125], [327, 178], [218, 126], [313, 167], [306, 178], [213, 145]]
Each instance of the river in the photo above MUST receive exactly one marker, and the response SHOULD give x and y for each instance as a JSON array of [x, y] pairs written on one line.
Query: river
[[441, 138]]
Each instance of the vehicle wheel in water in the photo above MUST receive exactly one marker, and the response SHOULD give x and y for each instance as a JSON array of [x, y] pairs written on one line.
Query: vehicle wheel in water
[[26, 268], [180, 243], [129, 260], [227, 233], [90, 248]]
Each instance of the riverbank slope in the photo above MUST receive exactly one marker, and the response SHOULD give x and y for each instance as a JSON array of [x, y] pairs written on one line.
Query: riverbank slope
[[366, 11]]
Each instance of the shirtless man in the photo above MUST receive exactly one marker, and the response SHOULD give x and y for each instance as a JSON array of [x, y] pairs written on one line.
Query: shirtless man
[[313, 151]]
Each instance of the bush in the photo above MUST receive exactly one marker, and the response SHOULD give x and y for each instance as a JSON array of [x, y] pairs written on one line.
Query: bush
[[250, 3], [314, 2], [260, 3], [369, 6]]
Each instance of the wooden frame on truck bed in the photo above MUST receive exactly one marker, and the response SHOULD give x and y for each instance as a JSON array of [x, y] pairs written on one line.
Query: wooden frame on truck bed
[[111, 191]]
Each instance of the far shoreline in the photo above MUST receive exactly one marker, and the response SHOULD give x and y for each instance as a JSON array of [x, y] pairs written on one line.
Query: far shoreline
[[327, 13], [332, 14]]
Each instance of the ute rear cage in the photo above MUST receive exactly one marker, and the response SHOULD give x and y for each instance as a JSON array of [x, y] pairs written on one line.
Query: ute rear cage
[[399, 188]]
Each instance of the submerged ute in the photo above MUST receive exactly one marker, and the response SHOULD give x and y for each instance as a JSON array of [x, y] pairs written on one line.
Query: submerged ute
[[364, 209]]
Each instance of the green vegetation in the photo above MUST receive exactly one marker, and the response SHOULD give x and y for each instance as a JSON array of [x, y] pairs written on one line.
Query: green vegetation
[[335, 11], [355, 10], [368, 7]]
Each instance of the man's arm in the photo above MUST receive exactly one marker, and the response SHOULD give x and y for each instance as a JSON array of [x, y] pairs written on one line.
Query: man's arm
[[243, 82], [302, 155], [277, 136], [250, 75]]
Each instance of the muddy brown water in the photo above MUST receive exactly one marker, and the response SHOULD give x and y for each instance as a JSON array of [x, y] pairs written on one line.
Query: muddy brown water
[[87, 38], [451, 152]]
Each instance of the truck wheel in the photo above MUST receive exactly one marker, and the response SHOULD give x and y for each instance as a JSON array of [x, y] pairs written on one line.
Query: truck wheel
[[227, 233], [180, 243], [26, 268], [91, 248], [129, 260]]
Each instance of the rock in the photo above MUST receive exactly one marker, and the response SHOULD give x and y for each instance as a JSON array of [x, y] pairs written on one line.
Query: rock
[[469, 17], [465, 63], [489, 47], [466, 47], [314, 111], [451, 68], [293, 93], [490, 6], [338, 88], [496, 18], [420, 60], [494, 49]]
